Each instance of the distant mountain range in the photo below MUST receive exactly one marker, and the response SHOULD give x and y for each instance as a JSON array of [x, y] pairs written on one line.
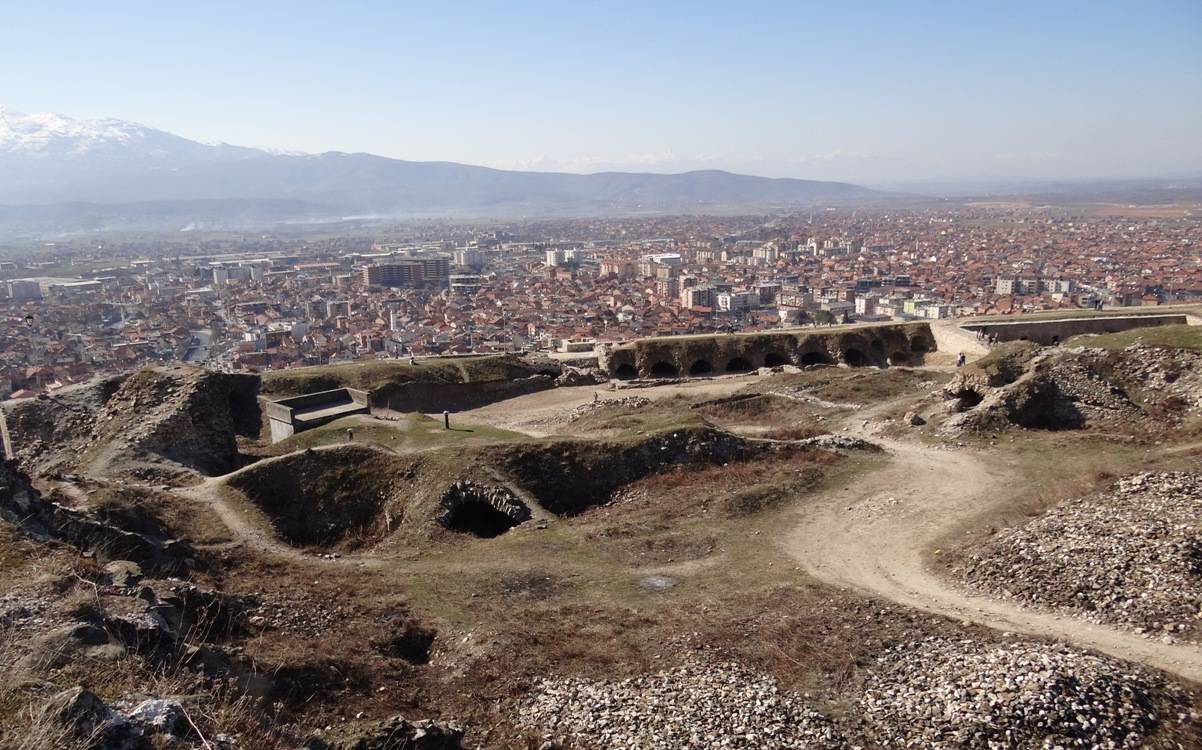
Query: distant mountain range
[[57, 170]]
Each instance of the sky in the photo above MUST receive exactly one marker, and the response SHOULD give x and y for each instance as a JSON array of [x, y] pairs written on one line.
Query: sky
[[869, 92]]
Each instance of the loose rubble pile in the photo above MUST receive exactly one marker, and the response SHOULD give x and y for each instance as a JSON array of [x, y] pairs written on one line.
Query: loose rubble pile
[[948, 694], [836, 443], [1131, 555], [574, 376], [396, 733], [629, 403], [300, 612], [692, 706]]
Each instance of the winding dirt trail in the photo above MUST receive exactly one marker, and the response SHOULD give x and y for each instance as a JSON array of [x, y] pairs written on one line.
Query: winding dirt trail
[[872, 536], [248, 530]]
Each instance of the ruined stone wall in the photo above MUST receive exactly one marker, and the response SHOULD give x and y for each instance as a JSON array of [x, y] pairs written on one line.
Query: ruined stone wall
[[1047, 332], [680, 356], [39, 518], [44, 431], [186, 415]]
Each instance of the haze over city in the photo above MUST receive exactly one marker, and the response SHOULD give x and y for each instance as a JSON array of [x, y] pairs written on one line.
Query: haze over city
[[873, 93]]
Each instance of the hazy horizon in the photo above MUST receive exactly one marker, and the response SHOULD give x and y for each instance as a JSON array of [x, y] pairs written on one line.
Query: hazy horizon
[[875, 95]]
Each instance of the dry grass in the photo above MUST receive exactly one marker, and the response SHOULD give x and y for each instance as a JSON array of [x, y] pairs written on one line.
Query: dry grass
[[1058, 468], [762, 414], [409, 433], [794, 433], [854, 387], [733, 489], [498, 614]]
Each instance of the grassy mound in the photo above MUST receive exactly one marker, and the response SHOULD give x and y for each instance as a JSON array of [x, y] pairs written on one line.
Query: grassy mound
[[374, 375], [1169, 337], [569, 476]]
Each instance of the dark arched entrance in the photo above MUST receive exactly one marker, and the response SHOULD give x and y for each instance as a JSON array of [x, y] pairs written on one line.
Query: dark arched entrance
[[701, 367], [810, 359], [738, 364], [664, 370]]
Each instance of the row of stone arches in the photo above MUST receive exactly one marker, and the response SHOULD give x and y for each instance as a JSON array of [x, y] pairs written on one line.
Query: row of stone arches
[[852, 356]]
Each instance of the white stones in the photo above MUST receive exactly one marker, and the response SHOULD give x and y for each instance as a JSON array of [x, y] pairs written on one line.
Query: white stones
[[693, 706], [631, 403], [941, 694], [1131, 556]]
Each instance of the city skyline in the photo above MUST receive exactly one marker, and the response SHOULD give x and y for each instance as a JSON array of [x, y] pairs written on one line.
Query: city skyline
[[871, 95]]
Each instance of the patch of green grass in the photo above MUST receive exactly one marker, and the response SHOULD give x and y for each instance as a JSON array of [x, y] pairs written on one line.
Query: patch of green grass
[[407, 434], [1172, 337]]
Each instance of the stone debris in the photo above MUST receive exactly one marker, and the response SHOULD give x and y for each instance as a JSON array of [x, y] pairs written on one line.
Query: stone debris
[[628, 402], [696, 705], [657, 583], [945, 694], [396, 733], [301, 612], [836, 443], [127, 725], [1131, 555], [577, 376]]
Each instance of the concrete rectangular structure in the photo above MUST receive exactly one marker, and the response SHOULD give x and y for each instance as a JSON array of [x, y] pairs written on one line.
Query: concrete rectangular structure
[[289, 416]]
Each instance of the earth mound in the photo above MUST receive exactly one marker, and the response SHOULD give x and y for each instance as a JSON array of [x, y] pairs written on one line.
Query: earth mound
[[355, 496], [569, 476], [430, 385], [1023, 386], [184, 415], [160, 422]]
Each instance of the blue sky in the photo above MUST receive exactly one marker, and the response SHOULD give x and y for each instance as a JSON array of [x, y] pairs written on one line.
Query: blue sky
[[862, 91]]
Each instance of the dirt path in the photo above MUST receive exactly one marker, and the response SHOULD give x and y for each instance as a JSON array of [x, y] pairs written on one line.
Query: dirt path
[[248, 529], [872, 536], [540, 414]]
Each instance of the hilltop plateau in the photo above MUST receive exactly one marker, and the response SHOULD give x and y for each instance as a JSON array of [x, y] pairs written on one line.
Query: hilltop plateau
[[840, 552]]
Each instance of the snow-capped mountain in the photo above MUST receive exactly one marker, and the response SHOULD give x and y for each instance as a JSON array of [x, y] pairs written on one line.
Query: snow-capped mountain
[[52, 159], [54, 135]]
